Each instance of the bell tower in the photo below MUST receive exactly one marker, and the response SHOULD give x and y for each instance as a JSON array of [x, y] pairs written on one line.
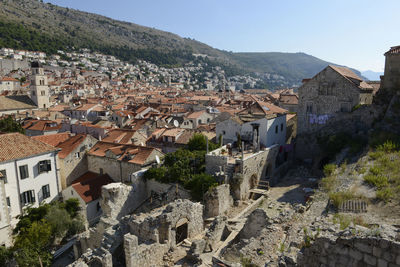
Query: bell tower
[[39, 87]]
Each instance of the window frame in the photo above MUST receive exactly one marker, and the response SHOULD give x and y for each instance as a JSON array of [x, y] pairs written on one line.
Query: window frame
[[46, 191], [25, 172], [4, 173], [44, 166], [28, 197]]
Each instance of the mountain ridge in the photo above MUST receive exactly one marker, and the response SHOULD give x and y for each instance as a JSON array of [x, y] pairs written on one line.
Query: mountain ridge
[[30, 24]]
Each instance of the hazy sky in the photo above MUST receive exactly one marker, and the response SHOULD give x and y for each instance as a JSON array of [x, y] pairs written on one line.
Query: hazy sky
[[354, 33]]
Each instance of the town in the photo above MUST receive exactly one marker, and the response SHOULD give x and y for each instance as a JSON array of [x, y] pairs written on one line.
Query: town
[[176, 166]]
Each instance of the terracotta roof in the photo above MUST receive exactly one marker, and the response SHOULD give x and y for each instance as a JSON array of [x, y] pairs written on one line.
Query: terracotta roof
[[9, 79], [16, 102], [42, 125], [289, 99], [53, 139], [70, 144], [351, 76], [126, 152], [120, 136], [15, 146], [88, 186], [196, 114]]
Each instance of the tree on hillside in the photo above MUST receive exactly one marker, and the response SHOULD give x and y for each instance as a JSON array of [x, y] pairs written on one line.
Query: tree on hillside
[[198, 142], [9, 125]]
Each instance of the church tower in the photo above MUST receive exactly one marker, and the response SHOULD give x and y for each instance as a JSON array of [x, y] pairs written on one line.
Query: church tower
[[39, 88]]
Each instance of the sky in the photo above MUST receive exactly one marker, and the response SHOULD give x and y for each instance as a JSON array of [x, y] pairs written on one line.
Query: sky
[[355, 33]]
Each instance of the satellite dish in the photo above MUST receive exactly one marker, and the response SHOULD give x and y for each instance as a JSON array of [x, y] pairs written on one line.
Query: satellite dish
[[157, 159], [176, 123]]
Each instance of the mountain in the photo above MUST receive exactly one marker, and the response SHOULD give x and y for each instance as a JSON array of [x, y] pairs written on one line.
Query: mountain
[[34, 25], [372, 75]]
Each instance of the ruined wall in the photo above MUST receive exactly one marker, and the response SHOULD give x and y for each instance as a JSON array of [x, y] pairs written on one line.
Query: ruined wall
[[255, 167], [144, 254], [218, 201], [215, 162], [172, 191], [256, 221], [118, 200], [352, 252], [160, 225]]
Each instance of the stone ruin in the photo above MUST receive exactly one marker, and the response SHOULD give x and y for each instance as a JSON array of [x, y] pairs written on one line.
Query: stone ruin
[[136, 240]]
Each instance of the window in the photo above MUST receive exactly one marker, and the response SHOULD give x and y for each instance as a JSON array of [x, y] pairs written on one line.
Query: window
[[3, 175], [223, 132], [77, 155], [28, 197], [8, 201], [309, 108], [276, 129], [46, 191], [23, 171], [43, 93], [33, 93], [281, 127], [44, 166]]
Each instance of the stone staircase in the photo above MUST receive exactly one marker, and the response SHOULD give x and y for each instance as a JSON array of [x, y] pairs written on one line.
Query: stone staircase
[[230, 168]]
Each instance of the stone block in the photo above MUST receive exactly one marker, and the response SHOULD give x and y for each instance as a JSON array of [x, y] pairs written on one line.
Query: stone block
[[355, 254], [363, 247], [382, 263], [398, 260], [369, 259], [377, 252], [342, 250], [389, 256]]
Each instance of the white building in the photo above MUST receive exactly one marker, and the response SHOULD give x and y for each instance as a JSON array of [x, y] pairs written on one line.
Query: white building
[[263, 120], [29, 177]]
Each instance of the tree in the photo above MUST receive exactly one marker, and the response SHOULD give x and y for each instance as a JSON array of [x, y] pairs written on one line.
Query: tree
[[9, 125], [198, 142], [32, 244]]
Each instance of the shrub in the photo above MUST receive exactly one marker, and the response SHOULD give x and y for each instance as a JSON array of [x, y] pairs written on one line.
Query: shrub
[[337, 198], [384, 194], [329, 169], [388, 146], [343, 220], [375, 170], [328, 183], [379, 181]]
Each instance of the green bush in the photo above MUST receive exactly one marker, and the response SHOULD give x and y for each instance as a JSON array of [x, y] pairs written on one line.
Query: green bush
[[329, 183], [337, 198], [384, 194], [379, 181], [388, 146], [329, 169]]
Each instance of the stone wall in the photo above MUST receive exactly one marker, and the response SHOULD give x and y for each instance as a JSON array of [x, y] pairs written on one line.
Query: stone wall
[[366, 252], [144, 254], [258, 166], [160, 225], [215, 162], [218, 201]]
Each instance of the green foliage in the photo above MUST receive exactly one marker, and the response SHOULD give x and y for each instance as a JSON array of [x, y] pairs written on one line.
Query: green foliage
[[388, 146], [9, 125], [328, 184], [186, 168], [337, 198], [343, 220], [384, 194], [378, 139], [199, 184], [5, 256], [329, 169], [199, 142], [31, 247], [72, 206], [59, 220], [333, 144], [31, 215]]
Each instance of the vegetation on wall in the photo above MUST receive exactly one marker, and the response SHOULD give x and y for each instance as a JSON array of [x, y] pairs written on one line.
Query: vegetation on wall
[[9, 125], [186, 167]]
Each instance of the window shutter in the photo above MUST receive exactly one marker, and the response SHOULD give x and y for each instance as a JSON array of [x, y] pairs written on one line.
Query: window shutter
[[48, 165]]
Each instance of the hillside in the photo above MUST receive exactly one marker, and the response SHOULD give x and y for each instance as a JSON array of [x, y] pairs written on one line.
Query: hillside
[[33, 25]]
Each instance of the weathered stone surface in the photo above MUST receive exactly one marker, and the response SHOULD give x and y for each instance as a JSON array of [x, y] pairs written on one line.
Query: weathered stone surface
[[218, 201], [256, 221], [369, 259]]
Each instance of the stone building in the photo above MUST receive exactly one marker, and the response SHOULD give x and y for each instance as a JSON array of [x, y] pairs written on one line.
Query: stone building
[[120, 161], [332, 92], [391, 79]]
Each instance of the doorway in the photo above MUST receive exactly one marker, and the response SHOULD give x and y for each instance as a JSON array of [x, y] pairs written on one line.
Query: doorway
[[181, 233]]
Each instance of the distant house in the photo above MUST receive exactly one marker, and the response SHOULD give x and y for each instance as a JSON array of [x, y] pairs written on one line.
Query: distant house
[[260, 120], [332, 91], [87, 189], [41, 127], [9, 84], [289, 102]]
